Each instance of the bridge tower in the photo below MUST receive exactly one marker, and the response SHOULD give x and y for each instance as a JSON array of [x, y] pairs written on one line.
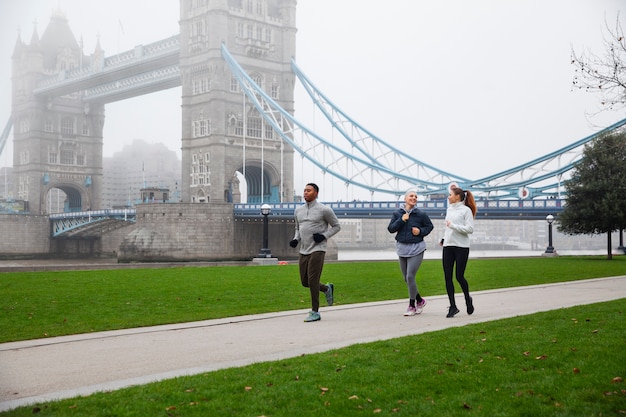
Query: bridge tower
[[57, 141], [222, 133]]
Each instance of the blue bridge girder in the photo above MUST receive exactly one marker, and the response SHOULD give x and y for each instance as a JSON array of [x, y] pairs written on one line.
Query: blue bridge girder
[[91, 224]]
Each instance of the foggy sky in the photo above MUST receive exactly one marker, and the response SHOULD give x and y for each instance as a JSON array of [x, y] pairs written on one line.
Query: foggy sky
[[471, 87]]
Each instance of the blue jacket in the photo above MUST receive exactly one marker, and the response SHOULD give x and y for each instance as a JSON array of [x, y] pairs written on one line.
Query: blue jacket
[[403, 230]]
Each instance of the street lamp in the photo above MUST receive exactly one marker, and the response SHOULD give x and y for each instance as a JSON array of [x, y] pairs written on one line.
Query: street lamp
[[265, 251], [550, 248]]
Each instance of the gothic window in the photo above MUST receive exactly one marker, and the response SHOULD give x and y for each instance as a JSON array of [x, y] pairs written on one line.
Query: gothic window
[[268, 35], [259, 33], [23, 187], [85, 131], [254, 126], [67, 126], [258, 80], [67, 157], [48, 125], [234, 85], [199, 28], [268, 131], [52, 158], [235, 126], [249, 31], [24, 158], [24, 126], [200, 85], [80, 160], [249, 5], [259, 8], [201, 128], [274, 91], [240, 29]]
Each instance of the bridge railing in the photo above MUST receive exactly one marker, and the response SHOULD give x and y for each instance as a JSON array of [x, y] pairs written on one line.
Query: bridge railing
[[487, 209], [495, 209]]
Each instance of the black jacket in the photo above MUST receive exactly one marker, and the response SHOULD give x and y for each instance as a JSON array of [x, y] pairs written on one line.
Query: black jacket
[[403, 230]]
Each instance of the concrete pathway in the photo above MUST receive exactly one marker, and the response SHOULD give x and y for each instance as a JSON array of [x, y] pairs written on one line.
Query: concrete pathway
[[41, 370]]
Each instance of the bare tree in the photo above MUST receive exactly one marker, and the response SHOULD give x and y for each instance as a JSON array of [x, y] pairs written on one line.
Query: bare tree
[[604, 74]]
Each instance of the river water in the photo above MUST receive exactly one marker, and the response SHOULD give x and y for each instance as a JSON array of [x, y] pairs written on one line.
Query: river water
[[390, 254]]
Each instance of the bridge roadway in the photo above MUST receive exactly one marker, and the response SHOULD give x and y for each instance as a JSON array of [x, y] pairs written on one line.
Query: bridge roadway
[[84, 223]]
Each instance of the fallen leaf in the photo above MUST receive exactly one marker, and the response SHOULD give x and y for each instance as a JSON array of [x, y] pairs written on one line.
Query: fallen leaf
[[542, 357], [594, 331], [377, 410], [617, 379], [465, 405], [324, 389], [576, 370], [248, 388], [526, 353], [353, 397]]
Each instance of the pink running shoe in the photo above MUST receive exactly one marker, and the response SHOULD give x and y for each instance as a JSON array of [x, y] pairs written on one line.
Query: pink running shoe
[[411, 311], [419, 307]]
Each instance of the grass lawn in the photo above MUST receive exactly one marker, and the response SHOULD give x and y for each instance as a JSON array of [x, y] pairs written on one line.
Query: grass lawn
[[46, 304], [566, 362]]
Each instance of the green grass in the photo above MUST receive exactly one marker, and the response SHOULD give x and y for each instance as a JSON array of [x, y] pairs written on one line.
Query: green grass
[[46, 304], [564, 362]]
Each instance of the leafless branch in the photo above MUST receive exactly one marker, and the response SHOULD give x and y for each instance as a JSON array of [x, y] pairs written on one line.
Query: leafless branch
[[604, 74]]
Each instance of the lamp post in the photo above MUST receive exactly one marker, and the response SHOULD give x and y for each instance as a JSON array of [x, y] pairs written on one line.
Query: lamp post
[[265, 251], [550, 248]]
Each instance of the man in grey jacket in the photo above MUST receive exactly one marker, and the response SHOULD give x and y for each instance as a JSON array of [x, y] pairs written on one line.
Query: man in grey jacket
[[315, 223]]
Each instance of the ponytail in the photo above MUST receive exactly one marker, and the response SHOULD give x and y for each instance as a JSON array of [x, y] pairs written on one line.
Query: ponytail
[[467, 197]]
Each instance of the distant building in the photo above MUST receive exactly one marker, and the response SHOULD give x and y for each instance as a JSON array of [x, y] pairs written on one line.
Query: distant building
[[138, 166]]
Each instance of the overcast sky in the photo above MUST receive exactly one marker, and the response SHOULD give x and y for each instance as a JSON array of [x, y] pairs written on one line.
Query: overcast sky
[[471, 87]]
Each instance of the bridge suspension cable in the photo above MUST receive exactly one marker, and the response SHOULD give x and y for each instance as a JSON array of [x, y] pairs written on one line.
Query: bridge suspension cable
[[5, 134], [365, 161]]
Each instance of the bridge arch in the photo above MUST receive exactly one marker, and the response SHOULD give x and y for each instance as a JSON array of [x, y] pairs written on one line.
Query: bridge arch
[[75, 198], [262, 181]]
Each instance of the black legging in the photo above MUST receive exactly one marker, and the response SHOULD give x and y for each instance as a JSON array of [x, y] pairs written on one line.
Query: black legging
[[458, 255]]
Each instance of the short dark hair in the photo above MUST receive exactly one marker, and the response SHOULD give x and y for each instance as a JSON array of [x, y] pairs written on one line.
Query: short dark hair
[[315, 187]]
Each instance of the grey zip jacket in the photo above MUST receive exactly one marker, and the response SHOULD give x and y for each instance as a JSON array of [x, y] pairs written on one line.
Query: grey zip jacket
[[314, 217]]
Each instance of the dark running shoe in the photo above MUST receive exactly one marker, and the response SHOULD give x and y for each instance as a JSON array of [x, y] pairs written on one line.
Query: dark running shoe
[[330, 294], [470, 306], [452, 311]]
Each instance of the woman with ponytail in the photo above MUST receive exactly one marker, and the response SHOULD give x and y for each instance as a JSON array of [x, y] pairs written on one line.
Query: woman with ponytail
[[456, 244]]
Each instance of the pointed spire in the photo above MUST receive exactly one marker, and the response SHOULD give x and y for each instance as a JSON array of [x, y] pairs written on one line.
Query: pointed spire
[[35, 36], [35, 44], [18, 49]]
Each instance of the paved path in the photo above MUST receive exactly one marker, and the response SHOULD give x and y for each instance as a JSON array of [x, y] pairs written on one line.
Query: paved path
[[47, 369]]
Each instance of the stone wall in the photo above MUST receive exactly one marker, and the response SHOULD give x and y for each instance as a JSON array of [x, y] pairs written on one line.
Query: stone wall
[[174, 232], [24, 236]]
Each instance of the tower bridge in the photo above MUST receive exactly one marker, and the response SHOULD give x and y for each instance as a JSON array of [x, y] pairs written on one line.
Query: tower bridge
[[237, 113], [237, 71]]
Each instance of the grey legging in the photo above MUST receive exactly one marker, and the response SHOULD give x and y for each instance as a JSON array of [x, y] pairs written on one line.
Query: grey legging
[[409, 267]]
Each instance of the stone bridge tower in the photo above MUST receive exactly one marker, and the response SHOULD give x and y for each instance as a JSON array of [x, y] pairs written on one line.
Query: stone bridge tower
[[57, 140], [222, 133]]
